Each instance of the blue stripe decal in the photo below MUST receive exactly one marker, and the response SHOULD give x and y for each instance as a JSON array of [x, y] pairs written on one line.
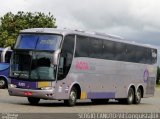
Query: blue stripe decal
[[94, 95], [24, 84]]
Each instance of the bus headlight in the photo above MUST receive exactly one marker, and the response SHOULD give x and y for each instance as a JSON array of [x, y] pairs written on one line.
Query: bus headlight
[[12, 86], [47, 88]]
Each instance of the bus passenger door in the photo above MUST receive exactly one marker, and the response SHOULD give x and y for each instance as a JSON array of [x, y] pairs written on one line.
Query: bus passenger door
[[65, 62]]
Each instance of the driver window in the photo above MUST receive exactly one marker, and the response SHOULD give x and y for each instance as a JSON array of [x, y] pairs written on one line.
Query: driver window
[[66, 56]]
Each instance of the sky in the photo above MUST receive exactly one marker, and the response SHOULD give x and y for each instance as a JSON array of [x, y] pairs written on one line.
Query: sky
[[135, 20]]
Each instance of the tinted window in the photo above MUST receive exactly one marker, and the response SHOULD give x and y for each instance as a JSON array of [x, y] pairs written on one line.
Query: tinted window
[[111, 50], [8, 56], [38, 41], [153, 56], [120, 51], [66, 56], [131, 52], [139, 54], [95, 48], [114, 50], [68, 44], [82, 47], [108, 50], [148, 56]]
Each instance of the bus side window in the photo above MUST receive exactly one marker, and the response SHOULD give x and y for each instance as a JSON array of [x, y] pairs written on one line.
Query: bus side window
[[95, 49], [82, 48], [61, 65], [8, 56], [153, 58], [66, 56]]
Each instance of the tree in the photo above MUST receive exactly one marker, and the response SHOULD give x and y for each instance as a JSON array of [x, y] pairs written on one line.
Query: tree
[[158, 75], [11, 24]]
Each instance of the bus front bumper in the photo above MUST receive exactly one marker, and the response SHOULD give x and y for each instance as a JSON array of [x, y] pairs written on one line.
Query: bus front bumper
[[43, 94]]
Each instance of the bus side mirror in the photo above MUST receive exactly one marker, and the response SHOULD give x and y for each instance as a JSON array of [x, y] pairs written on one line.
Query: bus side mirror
[[4, 53], [56, 56]]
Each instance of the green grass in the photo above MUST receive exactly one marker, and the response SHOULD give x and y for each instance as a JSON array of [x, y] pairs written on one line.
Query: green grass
[[158, 85]]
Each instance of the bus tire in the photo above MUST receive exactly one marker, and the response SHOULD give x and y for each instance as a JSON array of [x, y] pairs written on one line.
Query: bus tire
[[138, 96], [130, 97], [72, 97], [3, 83], [33, 101], [100, 101]]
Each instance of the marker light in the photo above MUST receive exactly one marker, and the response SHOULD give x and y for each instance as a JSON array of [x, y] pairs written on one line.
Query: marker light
[[47, 88], [12, 86]]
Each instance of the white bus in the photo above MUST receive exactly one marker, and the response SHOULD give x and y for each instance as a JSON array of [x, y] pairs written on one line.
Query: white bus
[[69, 65]]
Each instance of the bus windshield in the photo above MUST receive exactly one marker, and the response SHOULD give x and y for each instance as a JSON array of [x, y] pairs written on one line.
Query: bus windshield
[[32, 65], [49, 42]]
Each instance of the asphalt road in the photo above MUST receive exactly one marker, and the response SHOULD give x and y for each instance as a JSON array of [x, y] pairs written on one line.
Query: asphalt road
[[11, 104]]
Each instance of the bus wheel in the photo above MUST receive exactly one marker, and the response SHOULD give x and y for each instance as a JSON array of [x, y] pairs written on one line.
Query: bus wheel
[[3, 83], [130, 98], [100, 101], [138, 96], [72, 97], [33, 101]]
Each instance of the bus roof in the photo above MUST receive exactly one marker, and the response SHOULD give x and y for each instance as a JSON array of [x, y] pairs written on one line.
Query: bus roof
[[84, 33]]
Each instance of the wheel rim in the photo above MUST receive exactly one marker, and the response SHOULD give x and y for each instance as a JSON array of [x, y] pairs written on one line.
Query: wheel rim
[[131, 96], [138, 96], [2, 82], [73, 97]]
